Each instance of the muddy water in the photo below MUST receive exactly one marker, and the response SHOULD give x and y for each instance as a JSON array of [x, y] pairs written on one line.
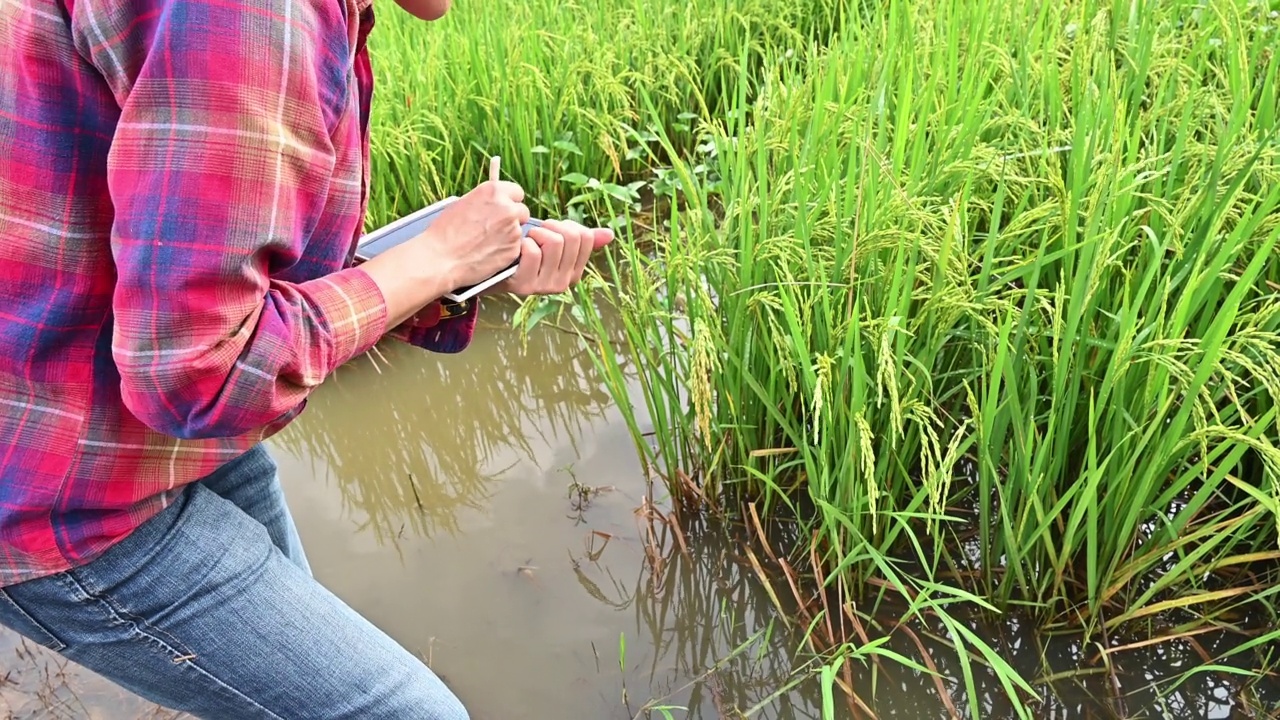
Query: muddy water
[[482, 508]]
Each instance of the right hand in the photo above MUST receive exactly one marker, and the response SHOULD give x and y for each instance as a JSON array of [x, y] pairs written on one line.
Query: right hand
[[480, 233]]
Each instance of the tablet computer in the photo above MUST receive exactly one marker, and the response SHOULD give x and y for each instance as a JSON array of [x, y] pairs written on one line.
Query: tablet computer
[[398, 231]]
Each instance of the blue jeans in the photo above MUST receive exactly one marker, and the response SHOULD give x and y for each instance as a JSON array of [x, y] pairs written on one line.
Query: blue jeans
[[210, 608]]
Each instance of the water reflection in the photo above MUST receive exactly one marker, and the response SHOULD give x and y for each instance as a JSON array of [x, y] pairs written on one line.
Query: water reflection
[[705, 639], [411, 439], [546, 587], [707, 646], [435, 497]]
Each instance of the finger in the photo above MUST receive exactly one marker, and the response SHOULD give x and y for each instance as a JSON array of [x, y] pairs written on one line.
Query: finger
[[509, 190], [574, 239], [575, 263], [575, 258], [552, 247], [556, 226], [522, 213], [584, 254], [530, 264], [601, 237], [509, 220], [544, 235], [596, 238]]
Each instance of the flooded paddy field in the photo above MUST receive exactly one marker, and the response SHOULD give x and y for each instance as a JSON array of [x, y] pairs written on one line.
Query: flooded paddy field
[[1050, 228], [486, 509]]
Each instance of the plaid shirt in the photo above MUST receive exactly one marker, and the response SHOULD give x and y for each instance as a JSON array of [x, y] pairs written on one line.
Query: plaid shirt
[[182, 183]]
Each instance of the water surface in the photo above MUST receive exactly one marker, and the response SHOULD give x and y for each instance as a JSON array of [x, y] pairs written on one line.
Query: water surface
[[487, 510]]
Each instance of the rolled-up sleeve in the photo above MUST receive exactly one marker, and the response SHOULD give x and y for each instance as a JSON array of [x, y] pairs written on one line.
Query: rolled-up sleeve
[[220, 166]]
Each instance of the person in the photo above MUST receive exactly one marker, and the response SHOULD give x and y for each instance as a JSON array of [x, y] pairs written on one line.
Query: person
[[182, 185]]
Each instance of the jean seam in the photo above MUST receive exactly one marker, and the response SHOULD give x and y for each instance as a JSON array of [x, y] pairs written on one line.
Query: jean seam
[[182, 656], [123, 614], [55, 643]]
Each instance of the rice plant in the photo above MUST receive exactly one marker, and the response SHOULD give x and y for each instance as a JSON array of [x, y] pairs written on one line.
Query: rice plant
[[553, 88], [979, 300], [988, 301]]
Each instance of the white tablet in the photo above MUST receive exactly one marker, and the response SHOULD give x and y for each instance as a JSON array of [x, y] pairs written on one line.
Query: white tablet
[[392, 234]]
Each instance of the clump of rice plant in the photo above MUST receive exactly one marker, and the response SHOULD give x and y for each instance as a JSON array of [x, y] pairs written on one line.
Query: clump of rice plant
[[553, 88], [989, 302]]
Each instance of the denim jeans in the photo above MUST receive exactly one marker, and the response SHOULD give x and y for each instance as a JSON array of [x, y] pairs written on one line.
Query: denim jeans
[[210, 608]]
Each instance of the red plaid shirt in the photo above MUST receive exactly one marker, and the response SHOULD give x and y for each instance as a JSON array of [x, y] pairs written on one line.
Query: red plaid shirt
[[182, 183]]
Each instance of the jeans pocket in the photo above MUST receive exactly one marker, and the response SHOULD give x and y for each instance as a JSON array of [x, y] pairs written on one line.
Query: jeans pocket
[[20, 621]]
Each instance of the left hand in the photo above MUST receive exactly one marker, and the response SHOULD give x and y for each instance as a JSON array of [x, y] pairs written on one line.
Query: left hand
[[553, 258]]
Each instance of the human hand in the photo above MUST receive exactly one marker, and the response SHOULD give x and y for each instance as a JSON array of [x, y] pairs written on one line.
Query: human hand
[[479, 234], [553, 258]]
